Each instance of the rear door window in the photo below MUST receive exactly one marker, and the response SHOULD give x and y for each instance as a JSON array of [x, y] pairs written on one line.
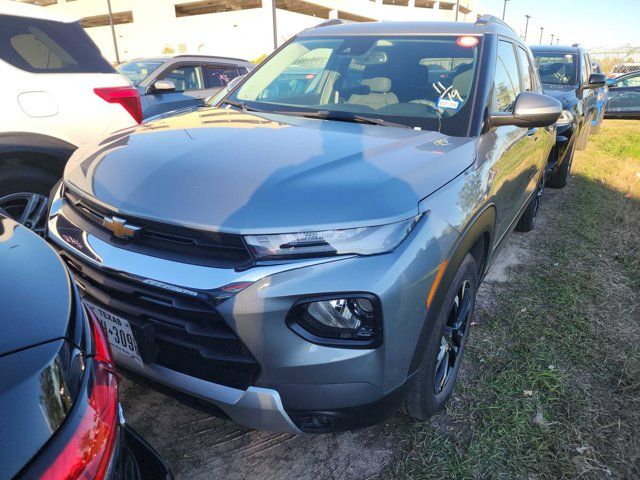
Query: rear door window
[[44, 46], [506, 86], [217, 76]]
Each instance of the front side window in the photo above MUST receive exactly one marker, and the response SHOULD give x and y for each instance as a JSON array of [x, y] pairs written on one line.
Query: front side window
[[424, 82], [43, 46], [506, 86], [137, 71], [557, 68], [631, 81], [186, 78], [525, 70], [585, 69]]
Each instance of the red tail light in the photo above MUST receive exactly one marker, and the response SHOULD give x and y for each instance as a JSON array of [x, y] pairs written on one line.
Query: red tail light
[[87, 454], [128, 97]]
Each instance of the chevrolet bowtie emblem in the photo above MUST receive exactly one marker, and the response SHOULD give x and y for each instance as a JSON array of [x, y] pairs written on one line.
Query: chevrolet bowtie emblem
[[119, 227]]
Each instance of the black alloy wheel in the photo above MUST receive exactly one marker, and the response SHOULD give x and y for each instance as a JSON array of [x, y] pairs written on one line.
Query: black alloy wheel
[[27, 208], [453, 336], [448, 333]]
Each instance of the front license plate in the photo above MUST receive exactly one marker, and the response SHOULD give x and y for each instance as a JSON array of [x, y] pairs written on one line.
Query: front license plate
[[118, 331]]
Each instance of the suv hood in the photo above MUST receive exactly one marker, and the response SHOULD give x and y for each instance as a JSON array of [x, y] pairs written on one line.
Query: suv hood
[[239, 172], [565, 93]]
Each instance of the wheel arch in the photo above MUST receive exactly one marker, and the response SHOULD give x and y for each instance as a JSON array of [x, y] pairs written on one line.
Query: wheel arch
[[35, 150], [477, 239]]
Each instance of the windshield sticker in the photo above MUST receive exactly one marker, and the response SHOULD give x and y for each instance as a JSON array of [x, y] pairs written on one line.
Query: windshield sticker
[[449, 97], [446, 103]]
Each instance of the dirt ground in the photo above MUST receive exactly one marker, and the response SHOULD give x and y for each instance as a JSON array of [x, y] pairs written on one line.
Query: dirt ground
[[198, 446]]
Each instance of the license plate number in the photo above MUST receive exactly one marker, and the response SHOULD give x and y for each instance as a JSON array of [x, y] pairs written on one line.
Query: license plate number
[[119, 333]]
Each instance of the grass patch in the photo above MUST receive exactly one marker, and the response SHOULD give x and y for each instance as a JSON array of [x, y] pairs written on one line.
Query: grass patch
[[551, 385]]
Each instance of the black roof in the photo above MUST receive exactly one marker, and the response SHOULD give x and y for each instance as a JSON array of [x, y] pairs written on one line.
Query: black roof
[[558, 48]]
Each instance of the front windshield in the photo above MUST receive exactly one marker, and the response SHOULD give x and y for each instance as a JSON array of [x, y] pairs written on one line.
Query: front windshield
[[421, 81], [137, 71], [557, 68]]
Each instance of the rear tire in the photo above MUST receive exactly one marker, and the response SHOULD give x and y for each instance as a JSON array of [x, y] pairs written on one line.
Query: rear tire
[[428, 393]]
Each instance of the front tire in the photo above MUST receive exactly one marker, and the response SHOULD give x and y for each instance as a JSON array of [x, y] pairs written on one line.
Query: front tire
[[527, 221], [24, 193], [582, 142], [434, 381], [558, 177]]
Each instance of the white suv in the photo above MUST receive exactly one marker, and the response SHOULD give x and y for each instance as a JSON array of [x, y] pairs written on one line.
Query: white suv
[[57, 94]]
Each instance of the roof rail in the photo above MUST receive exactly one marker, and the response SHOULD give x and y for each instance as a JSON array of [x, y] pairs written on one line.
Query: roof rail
[[209, 56], [487, 19], [332, 21]]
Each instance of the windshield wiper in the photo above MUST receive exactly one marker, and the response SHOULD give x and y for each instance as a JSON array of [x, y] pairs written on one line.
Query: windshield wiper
[[241, 105], [327, 115]]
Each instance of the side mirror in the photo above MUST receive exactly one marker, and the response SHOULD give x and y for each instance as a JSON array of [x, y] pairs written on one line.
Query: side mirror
[[529, 111], [163, 86], [596, 80]]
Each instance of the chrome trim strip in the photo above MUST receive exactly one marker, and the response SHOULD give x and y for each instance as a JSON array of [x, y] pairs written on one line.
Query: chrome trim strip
[[101, 254]]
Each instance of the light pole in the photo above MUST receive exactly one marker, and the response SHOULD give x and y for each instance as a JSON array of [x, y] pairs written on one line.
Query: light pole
[[504, 9], [552, 35], [526, 28], [275, 27], [113, 32], [557, 41], [457, 9], [541, 30]]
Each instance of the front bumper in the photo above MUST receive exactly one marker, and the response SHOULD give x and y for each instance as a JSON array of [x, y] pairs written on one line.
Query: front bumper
[[297, 378]]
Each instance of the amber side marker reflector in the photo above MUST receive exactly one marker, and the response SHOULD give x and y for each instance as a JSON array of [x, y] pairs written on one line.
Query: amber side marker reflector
[[436, 282], [467, 41]]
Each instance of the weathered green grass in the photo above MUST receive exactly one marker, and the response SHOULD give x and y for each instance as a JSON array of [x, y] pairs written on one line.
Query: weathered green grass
[[551, 385]]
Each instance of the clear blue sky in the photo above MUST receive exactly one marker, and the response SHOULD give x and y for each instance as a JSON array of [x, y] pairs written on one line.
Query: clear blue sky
[[593, 23]]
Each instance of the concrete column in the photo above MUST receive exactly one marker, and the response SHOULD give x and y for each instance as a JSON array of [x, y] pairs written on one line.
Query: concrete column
[[412, 3], [333, 13]]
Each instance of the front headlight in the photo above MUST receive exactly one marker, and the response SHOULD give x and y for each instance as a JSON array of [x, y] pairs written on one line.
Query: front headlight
[[565, 118], [356, 241]]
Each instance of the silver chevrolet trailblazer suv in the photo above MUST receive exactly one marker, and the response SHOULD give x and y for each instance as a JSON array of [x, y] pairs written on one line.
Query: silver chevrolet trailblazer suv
[[306, 254]]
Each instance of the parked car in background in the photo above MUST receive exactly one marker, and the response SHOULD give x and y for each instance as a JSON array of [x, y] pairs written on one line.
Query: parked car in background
[[566, 74], [308, 260], [624, 96], [601, 101], [183, 81], [59, 407], [57, 94], [623, 69]]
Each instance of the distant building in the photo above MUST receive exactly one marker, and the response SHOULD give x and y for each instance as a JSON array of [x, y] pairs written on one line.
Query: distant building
[[238, 28]]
